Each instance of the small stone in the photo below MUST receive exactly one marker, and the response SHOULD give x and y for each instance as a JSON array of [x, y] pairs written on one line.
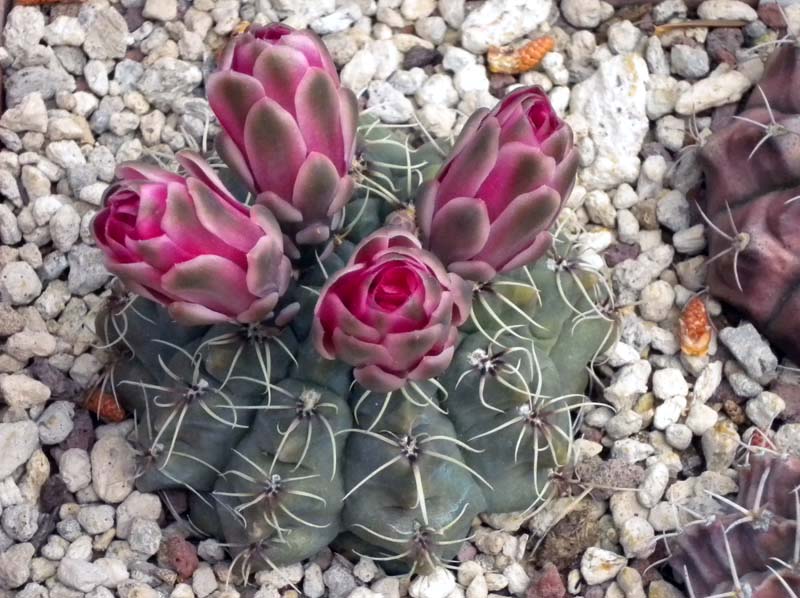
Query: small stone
[[689, 62], [707, 382], [357, 73], [168, 79], [21, 521], [56, 422], [624, 506], [673, 211], [720, 443], [65, 31], [600, 209], [763, 409], [144, 536], [138, 505], [750, 349], [203, 581], [700, 418], [96, 519], [389, 104], [106, 34], [29, 115], [599, 566], [726, 10], [691, 240], [19, 283], [365, 570], [80, 575], [87, 271], [631, 451], [637, 538], [623, 36], [787, 439], [80, 548], [24, 29], [114, 570], [75, 469], [18, 441], [679, 436], [669, 383], [477, 587], [160, 10], [15, 565], [656, 479], [437, 584], [625, 423], [471, 78], [313, 584], [114, 466], [22, 392], [742, 384], [628, 384], [586, 13], [722, 87], [657, 300], [180, 555]]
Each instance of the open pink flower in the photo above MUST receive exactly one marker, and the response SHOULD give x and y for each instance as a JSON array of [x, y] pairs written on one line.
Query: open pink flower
[[392, 312], [186, 243], [289, 128], [490, 206]]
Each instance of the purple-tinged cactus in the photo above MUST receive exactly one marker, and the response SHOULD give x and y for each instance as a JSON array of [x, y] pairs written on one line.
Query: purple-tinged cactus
[[187, 244], [391, 312], [490, 206], [752, 204], [289, 128], [752, 549]]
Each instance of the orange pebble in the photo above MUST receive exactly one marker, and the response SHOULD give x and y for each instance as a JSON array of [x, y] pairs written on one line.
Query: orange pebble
[[695, 329], [242, 27], [513, 61], [104, 406]]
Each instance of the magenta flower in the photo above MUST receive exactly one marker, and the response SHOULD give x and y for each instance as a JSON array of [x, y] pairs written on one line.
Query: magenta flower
[[288, 126], [490, 206], [392, 312], [186, 243]]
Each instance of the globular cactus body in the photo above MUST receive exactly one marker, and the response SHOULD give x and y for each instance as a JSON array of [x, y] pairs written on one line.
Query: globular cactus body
[[752, 547], [379, 400], [752, 203]]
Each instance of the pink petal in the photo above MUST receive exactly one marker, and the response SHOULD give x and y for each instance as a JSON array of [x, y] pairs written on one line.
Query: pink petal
[[231, 96], [463, 175], [192, 314], [282, 209], [317, 106], [432, 365], [519, 169], [274, 146], [280, 69], [459, 229], [235, 159], [211, 281], [375, 379], [517, 227], [225, 220], [316, 187]]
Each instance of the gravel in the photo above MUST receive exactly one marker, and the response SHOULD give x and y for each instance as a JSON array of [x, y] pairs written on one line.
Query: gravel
[[93, 84]]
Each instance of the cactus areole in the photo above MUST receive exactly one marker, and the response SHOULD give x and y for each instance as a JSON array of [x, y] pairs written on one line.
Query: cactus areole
[[340, 335]]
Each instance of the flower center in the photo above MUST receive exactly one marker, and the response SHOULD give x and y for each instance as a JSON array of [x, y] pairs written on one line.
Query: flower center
[[543, 119], [393, 286]]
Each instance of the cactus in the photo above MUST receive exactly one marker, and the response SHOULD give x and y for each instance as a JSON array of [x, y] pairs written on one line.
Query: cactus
[[378, 401], [751, 548], [752, 204]]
